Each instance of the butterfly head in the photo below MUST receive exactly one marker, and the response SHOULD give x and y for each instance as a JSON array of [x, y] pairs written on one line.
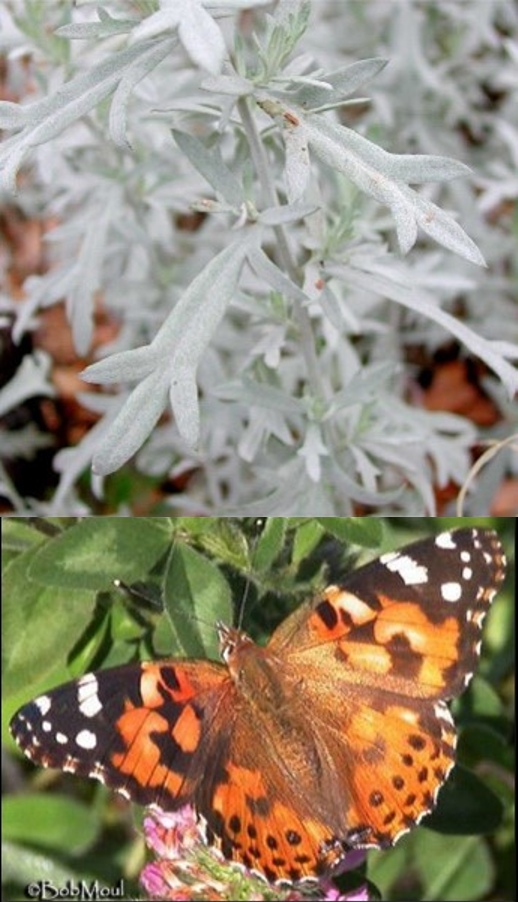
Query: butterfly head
[[231, 641]]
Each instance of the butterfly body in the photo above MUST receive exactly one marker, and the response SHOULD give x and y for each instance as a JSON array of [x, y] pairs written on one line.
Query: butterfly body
[[336, 734]]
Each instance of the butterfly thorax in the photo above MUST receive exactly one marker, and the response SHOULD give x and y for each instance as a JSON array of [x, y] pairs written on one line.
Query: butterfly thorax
[[269, 694], [255, 671]]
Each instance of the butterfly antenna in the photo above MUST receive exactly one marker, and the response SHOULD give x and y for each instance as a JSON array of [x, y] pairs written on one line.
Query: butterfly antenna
[[259, 526], [151, 598]]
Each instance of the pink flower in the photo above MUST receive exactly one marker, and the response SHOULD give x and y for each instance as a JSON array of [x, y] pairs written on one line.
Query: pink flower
[[172, 835], [330, 893], [358, 895], [187, 870]]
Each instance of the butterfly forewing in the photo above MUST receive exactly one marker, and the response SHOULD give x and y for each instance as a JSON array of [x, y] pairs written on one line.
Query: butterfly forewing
[[409, 622], [140, 729]]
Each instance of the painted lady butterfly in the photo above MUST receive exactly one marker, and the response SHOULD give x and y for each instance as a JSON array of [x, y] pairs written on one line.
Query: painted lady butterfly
[[335, 735]]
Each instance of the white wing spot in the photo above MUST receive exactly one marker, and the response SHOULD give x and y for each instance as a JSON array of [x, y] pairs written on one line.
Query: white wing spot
[[89, 679], [86, 740], [46, 726], [61, 738], [70, 765], [451, 591], [409, 570], [467, 573], [90, 707], [43, 703], [465, 556], [445, 540], [98, 773], [88, 697], [405, 830], [478, 618]]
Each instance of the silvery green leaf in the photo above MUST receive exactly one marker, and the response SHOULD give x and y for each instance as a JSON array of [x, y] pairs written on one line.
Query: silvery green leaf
[[207, 205], [190, 327], [338, 313], [315, 80], [488, 351], [22, 444], [12, 115], [418, 168], [337, 85], [47, 118], [368, 471], [443, 228], [183, 394], [233, 85], [263, 423], [30, 379], [234, 4], [132, 426], [125, 366], [201, 36], [43, 291], [271, 344], [89, 264], [282, 33], [351, 489], [104, 74], [451, 458], [415, 473], [365, 165], [277, 279], [134, 73], [72, 462], [331, 307], [13, 161], [104, 28], [408, 168], [363, 386], [274, 216], [212, 167], [161, 22], [289, 12], [175, 353], [297, 169], [257, 394], [197, 31], [312, 450], [288, 496], [195, 317]]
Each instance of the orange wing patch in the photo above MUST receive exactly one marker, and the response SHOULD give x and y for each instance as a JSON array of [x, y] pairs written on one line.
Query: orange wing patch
[[402, 758], [252, 826]]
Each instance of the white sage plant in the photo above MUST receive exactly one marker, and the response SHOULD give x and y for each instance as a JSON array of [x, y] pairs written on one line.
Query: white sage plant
[[265, 352]]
